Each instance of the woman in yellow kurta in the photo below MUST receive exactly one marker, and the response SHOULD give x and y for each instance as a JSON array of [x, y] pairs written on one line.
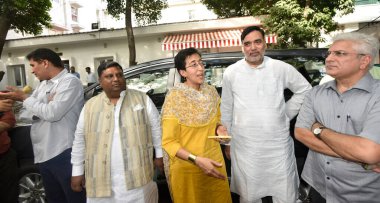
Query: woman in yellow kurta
[[190, 114]]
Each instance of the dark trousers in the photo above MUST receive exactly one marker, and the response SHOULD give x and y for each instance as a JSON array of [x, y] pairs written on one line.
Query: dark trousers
[[315, 197], [8, 177], [56, 175]]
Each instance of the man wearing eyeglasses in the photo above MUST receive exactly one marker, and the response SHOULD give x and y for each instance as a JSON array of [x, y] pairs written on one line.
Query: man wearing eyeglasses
[[256, 115], [340, 122]]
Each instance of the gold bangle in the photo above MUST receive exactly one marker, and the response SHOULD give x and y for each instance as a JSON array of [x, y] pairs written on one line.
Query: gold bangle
[[192, 158]]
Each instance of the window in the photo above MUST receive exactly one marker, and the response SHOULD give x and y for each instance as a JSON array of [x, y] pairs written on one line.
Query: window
[[153, 82], [74, 14], [66, 65], [214, 74], [191, 14], [16, 75], [100, 60]]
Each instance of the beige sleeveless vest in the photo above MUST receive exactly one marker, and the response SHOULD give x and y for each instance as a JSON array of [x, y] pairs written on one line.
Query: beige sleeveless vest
[[135, 139]]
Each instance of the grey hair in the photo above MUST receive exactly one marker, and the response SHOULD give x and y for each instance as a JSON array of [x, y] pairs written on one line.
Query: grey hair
[[365, 44]]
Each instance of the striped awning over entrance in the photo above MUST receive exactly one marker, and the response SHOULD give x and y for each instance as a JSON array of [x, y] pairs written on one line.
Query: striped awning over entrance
[[212, 39]]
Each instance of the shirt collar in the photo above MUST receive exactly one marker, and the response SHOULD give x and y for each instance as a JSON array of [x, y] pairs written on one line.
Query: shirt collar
[[108, 101], [56, 78], [262, 65], [365, 83]]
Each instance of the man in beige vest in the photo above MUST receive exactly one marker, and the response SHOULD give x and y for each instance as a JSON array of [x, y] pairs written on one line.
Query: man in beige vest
[[113, 147]]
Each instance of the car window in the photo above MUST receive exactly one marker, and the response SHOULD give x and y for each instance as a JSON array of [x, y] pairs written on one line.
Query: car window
[[214, 74], [311, 68], [152, 82]]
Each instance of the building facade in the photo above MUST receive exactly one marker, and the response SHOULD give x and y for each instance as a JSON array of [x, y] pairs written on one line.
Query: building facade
[[91, 48], [80, 44]]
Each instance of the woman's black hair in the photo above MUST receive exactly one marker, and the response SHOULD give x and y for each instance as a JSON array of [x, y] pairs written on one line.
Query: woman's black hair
[[180, 59]]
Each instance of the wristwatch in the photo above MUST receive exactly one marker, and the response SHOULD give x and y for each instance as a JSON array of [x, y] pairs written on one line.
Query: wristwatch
[[317, 131]]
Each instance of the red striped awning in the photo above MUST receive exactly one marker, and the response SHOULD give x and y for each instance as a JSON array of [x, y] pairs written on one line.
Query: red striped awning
[[221, 38]]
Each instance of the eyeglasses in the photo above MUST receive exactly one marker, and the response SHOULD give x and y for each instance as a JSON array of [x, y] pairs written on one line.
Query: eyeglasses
[[196, 64], [339, 54]]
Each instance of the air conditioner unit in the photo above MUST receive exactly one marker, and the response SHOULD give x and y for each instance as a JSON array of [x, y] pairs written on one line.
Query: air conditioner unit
[[94, 26]]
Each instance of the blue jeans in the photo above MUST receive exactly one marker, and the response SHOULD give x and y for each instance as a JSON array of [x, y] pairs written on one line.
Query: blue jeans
[[56, 175]]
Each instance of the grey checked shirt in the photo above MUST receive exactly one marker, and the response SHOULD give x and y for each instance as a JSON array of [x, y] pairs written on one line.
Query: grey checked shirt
[[354, 112]]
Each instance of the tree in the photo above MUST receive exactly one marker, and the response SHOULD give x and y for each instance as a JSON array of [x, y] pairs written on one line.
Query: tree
[[25, 16], [297, 23], [146, 12]]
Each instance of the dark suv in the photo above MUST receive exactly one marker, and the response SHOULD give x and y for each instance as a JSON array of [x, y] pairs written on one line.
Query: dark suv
[[155, 78]]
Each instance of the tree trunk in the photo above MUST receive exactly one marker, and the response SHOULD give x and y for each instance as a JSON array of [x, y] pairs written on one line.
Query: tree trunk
[[130, 36], [4, 27]]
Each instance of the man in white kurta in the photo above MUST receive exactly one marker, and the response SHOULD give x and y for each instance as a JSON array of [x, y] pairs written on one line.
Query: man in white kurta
[[256, 115]]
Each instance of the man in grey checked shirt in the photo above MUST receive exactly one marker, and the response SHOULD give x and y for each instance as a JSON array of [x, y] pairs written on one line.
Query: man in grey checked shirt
[[340, 123]]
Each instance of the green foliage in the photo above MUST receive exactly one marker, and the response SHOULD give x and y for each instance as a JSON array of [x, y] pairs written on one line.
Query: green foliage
[[26, 16], [230, 8], [146, 11], [297, 23], [116, 7]]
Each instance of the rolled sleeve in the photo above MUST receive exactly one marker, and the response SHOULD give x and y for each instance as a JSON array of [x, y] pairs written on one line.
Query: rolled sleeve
[[306, 116], [371, 127]]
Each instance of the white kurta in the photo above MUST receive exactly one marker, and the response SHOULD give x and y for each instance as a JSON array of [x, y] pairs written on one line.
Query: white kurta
[[254, 111], [120, 194]]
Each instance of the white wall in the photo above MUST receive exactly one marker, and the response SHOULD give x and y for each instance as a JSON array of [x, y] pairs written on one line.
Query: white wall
[[83, 54], [185, 10]]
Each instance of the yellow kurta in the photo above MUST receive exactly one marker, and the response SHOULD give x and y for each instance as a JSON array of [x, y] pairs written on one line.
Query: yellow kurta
[[188, 117]]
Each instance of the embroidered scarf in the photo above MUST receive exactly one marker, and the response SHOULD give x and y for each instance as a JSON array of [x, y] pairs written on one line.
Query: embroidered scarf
[[191, 107]]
